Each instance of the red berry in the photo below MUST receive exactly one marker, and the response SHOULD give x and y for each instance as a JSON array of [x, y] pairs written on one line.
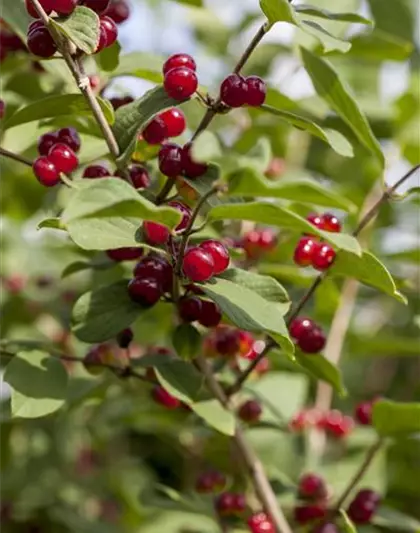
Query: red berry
[[99, 6], [323, 256], [368, 494], [189, 309], [63, 157], [326, 527], [267, 239], [299, 325], [337, 424], [250, 411], [108, 32], [139, 177], [40, 43], [304, 419], [119, 11], [363, 507], [179, 60], [174, 120], [256, 91], [311, 340], [125, 254], [170, 163], [315, 220], [35, 25], [229, 503], [2, 108], [46, 172], [227, 341], [145, 291], [65, 7], [261, 523], [234, 91], [119, 102], [210, 481], [47, 5], [312, 487], [307, 513], [157, 268], [180, 83], [70, 137], [251, 243], [330, 223], [363, 413], [46, 142], [210, 314], [155, 233], [304, 251], [219, 253], [192, 169], [95, 171], [94, 81], [156, 131], [162, 396], [198, 265], [125, 338], [186, 214]]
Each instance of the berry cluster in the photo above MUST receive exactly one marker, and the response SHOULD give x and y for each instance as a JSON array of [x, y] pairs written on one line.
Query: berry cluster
[[308, 336], [202, 262], [192, 308], [210, 481], [312, 252], [57, 150], [261, 523], [256, 243], [237, 91], [138, 175], [157, 234], [313, 495], [334, 422], [152, 278], [169, 123], [180, 78], [230, 504]]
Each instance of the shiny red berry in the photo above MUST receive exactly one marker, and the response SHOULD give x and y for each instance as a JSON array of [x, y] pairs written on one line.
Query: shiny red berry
[[65, 7], [219, 253], [304, 251], [330, 223], [145, 291], [315, 220], [362, 509], [125, 254], [299, 325], [179, 60], [180, 83], [139, 177], [156, 131], [323, 256], [157, 268], [170, 160], [125, 338], [234, 91], [307, 513], [192, 169], [250, 411], [70, 137], [162, 396], [185, 211], [108, 32], [198, 265], [40, 43], [47, 5], [261, 523], [210, 481], [189, 308], [46, 142], [155, 233], [99, 6], [312, 487], [46, 172], [363, 413], [175, 121], [118, 10], [311, 340], [256, 91], [63, 157], [210, 314], [95, 171]]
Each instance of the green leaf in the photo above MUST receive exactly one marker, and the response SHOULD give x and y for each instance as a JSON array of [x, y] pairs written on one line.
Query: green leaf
[[180, 378], [334, 138], [56, 106], [194, 3], [17, 18], [81, 27], [320, 368], [329, 15], [249, 310], [279, 11], [101, 314], [380, 46], [132, 118], [187, 341], [396, 419], [216, 416], [108, 59], [394, 520], [141, 65], [277, 215], [367, 269], [347, 524], [248, 183], [51, 223], [329, 42], [329, 86], [39, 384]]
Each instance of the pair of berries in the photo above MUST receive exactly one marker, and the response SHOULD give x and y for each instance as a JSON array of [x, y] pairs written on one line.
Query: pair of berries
[[175, 160], [170, 123], [162, 397], [39, 40], [258, 242], [152, 278], [237, 91], [229, 342], [210, 481], [139, 176], [312, 487], [202, 262], [192, 308], [158, 234], [230, 504], [261, 523], [250, 411], [363, 507], [308, 336], [334, 422], [180, 78]]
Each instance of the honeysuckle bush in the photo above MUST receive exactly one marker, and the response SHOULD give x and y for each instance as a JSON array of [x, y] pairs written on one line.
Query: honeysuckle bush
[[266, 380]]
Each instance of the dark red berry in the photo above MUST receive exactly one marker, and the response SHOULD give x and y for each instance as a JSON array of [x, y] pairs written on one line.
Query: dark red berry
[[125, 338], [210, 314], [261, 523], [162, 396], [119, 102], [156, 131], [234, 91], [311, 340], [192, 169], [139, 177], [315, 220], [198, 265], [170, 161], [189, 308], [179, 60], [363, 507], [330, 223], [95, 171], [363, 413], [63, 157], [174, 120], [65, 7], [299, 325], [304, 251], [108, 32], [46, 142], [99, 6], [219, 253], [93, 360], [180, 83], [256, 91], [211, 481], [40, 43], [125, 254], [70, 137], [35, 25], [227, 341], [47, 5], [326, 527], [250, 411], [118, 10], [155, 233], [229, 503], [307, 513], [145, 291], [323, 256], [157, 268], [46, 172], [2, 108], [186, 214], [312, 487]]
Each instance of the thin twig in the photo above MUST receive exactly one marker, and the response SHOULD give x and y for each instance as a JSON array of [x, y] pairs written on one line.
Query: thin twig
[[166, 189], [15, 157], [251, 47]]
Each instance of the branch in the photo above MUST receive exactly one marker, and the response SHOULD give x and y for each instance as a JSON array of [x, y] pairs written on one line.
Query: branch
[[15, 157], [256, 470], [251, 47]]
